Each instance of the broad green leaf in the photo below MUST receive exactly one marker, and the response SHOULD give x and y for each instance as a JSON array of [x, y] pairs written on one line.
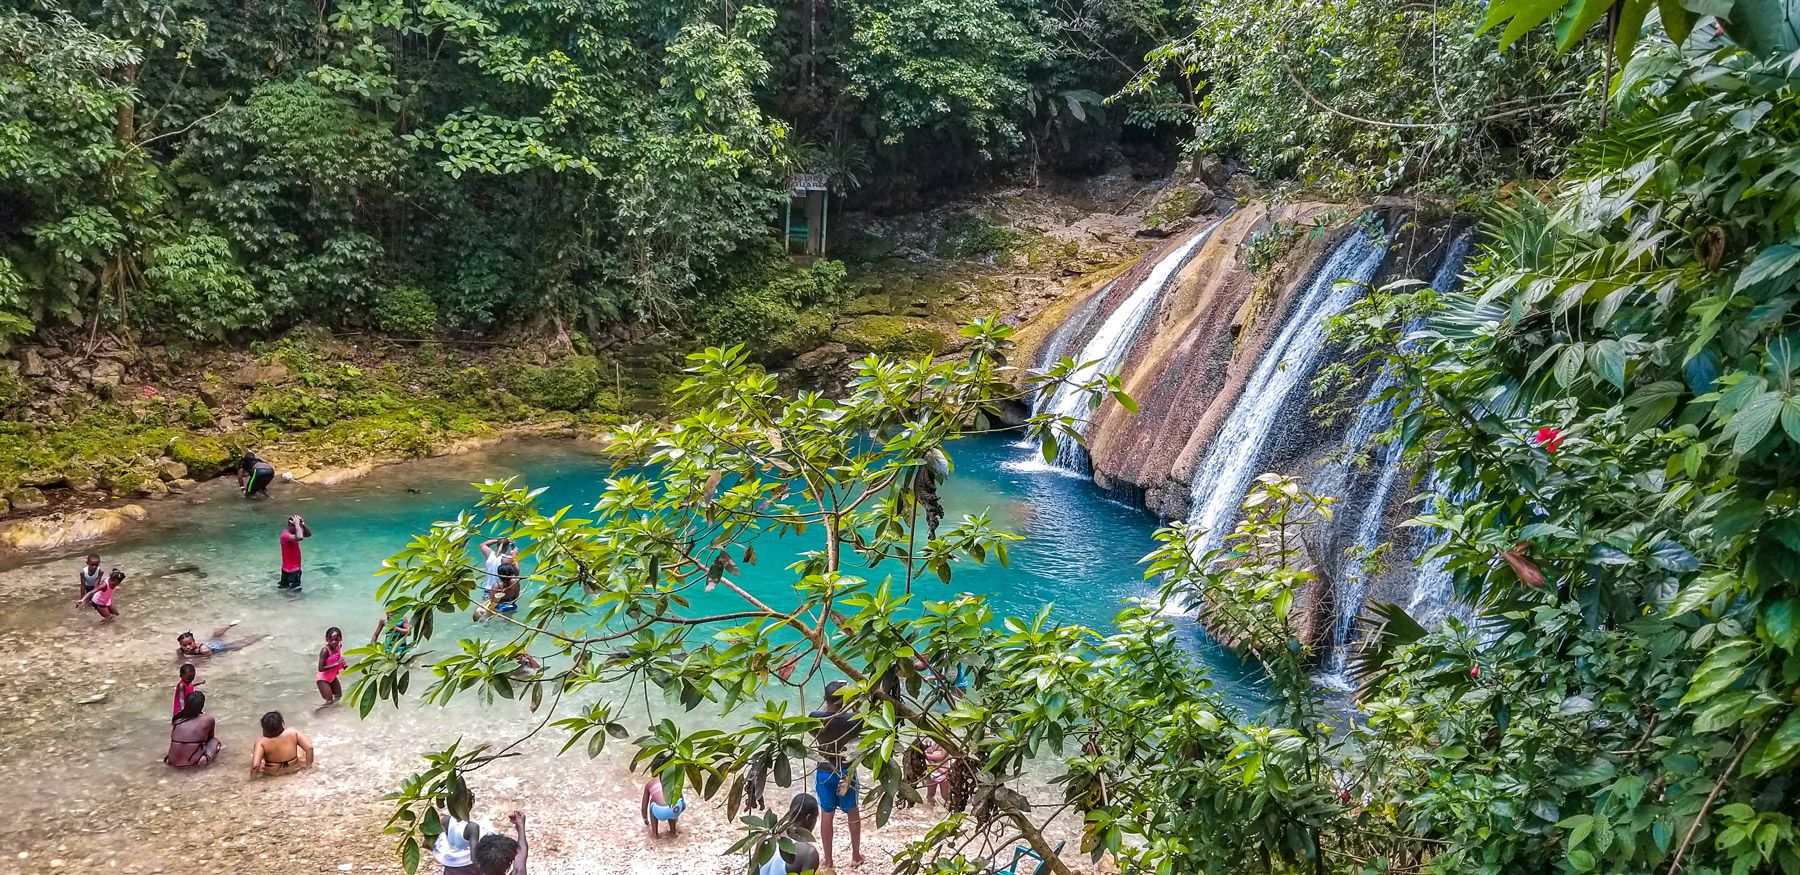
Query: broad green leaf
[[1568, 365], [1753, 423], [1780, 748], [1775, 261]]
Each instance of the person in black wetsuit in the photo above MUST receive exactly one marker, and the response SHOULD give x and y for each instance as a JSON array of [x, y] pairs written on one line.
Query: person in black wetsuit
[[255, 475], [834, 779]]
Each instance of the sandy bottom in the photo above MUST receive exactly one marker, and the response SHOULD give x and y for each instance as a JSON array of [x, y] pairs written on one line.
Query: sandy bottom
[[87, 793]]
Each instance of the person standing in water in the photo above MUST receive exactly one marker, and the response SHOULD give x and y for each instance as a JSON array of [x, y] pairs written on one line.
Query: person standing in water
[[281, 750], [834, 779], [192, 741], [91, 574], [495, 552], [657, 808], [291, 536], [331, 664], [102, 596], [186, 685], [255, 475]]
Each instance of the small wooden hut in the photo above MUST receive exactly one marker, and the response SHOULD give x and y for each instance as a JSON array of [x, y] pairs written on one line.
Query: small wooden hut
[[805, 222]]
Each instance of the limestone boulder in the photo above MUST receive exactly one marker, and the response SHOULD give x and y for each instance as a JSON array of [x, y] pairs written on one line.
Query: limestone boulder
[[27, 498], [168, 469], [253, 373], [107, 372], [61, 530]]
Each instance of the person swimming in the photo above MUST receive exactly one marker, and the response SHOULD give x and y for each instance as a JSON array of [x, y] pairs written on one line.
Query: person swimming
[[331, 664], [657, 809], [101, 598], [192, 738], [281, 750], [185, 645]]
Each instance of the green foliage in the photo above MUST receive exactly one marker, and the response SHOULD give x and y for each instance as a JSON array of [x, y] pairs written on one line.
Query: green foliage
[[289, 176], [75, 196], [1371, 96], [775, 309], [195, 285], [1635, 705], [406, 311], [961, 68], [1764, 27]]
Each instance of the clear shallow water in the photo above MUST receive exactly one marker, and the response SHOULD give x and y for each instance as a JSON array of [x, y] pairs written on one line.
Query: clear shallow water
[[212, 558]]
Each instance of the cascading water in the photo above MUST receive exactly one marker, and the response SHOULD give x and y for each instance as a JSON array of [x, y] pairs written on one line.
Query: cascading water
[[1107, 350], [1233, 454], [1434, 588], [1376, 416], [1058, 344]]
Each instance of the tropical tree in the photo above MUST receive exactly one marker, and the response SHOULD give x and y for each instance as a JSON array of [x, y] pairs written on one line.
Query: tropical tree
[[1610, 421]]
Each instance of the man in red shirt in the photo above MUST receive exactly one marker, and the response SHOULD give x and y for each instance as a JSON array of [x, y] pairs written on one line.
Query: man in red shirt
[[291, 537]]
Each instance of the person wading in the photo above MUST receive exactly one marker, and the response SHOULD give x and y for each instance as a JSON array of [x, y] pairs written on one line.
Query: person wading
[[834, 780]]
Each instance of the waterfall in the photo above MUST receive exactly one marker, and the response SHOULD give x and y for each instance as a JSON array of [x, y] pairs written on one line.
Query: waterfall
[[1434, 587], [1233, 454], [1058, 344], [1376, 416], [1107, 349]]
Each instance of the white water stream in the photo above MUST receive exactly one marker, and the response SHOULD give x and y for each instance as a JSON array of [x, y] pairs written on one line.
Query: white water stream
[[1106, 351]]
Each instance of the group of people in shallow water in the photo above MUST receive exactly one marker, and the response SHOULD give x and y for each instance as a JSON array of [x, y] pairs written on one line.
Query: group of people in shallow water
[[193, 733], [469, 848]]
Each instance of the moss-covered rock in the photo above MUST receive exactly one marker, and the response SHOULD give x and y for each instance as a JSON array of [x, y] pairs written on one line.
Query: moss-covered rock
[[570, 384], [27, 498], [205, 457], [888, 335]]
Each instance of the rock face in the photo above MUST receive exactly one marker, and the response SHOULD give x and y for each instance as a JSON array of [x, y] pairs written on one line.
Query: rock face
[[169, 469], [61, 530], [1221, 370], [27, 498]]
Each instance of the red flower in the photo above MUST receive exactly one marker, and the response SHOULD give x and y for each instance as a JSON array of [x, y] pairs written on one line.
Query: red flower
[[1475, 670], [1549, 438]]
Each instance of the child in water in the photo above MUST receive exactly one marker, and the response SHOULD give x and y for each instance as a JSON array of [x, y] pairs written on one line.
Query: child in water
[[102, 596], [657, 808], [331, 664], [186, 646], [392, 632], [90, 574], [188, 684]]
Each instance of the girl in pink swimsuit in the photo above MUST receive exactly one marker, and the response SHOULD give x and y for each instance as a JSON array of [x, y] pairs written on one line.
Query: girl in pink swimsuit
[[331, 664], [102, 596], [188, 684]]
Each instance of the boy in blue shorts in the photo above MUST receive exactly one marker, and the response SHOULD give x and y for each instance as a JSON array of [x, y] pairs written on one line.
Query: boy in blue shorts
[[834, 778]]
